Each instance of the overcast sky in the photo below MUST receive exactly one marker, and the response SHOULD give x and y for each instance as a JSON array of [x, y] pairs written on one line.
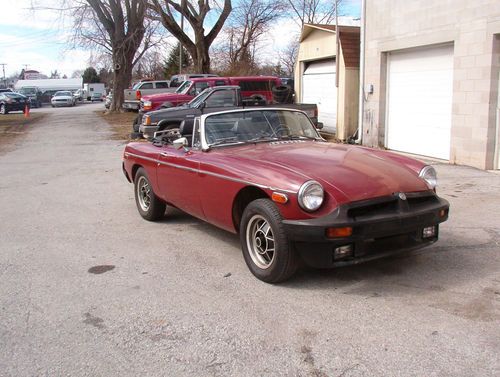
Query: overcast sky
[[39, 39]]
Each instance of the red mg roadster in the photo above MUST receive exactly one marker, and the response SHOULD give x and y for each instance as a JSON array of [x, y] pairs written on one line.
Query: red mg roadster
[[268, 175]]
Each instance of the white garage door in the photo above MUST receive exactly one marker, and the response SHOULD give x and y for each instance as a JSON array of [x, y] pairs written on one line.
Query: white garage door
[[420, 89], [318, 86]]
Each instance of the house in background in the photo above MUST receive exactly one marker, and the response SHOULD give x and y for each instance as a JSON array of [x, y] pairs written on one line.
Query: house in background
[[431, 79], [315, 76]]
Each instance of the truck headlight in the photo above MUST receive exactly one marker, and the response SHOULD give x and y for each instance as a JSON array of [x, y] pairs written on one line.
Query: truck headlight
[[147, 105], [310, 196], [428, 174]]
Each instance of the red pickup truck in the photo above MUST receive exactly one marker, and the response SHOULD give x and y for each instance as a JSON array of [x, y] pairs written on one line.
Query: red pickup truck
[[259, 87]]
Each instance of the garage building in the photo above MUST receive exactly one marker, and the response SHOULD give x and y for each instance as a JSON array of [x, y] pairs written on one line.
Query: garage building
[[316, 71], [434, 70]]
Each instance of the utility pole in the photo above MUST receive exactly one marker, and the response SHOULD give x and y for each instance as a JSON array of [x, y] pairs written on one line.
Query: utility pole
[[3, 68], [183, 5]]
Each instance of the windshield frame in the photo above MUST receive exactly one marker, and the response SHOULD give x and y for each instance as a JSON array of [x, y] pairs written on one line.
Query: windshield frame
[[206, 146], [184, 87], [62, 93]]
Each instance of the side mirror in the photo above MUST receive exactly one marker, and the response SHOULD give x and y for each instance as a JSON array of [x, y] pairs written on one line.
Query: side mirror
[[202, 105], [319, 126], [179, 143]]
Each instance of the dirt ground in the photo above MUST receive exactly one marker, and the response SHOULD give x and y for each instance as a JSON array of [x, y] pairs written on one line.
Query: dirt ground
[[13, 126], [121, 123]]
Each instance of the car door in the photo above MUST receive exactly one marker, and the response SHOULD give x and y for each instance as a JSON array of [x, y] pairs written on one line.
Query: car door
[[178, 178]]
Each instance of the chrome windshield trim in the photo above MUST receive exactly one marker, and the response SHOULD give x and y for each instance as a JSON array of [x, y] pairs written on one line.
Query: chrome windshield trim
[[217, 175]]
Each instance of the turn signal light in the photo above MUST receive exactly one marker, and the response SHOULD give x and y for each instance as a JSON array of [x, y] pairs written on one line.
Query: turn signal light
[[278, 197], [146, 120], [443, 213], [338, 232]]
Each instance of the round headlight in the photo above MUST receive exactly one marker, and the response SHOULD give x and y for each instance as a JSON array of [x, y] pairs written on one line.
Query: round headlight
[[428, 174], [310, 196]]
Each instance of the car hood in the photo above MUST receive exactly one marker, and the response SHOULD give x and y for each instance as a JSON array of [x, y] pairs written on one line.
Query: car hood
[[164, 96], [349, 173]]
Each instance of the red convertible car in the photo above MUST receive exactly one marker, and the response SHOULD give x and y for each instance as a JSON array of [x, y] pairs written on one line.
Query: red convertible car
[[268, 175]]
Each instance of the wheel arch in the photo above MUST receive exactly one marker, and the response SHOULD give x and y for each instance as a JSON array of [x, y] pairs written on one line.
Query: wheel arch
[[242, 199], [166, 124]]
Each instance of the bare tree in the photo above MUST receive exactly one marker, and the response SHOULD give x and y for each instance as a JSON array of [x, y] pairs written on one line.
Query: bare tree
[[248, 23], [118, 28], [288, 57], [314, 11], [151, 65], [169, 13]]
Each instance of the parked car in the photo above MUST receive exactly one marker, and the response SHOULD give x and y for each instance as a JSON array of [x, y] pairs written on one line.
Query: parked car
[[79, 94], [63, 98], [11, 101], [177, 80], [268, 175], [133, 96], [255, 87], [211, 100], [96, 97], [33, 93]]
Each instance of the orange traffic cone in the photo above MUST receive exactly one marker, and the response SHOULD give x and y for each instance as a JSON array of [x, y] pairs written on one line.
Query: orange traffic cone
[[26, 111]]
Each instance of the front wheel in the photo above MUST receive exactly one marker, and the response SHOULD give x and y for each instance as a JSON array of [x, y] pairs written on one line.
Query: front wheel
[[266, 248], [149, 205]]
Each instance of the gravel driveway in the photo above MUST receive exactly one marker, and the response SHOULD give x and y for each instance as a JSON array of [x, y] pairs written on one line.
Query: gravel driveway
[[88, 288]]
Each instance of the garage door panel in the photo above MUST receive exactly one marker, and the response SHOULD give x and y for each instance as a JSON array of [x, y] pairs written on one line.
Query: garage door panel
[[318, 86], [420, 87]]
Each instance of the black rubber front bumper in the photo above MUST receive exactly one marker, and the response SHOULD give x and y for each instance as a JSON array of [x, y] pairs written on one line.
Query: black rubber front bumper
[[380, 227]]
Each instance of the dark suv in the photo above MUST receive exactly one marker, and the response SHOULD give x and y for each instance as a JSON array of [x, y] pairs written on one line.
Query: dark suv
[[34, 94]]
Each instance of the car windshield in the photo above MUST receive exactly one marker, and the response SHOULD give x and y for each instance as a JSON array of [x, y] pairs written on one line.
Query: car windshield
[[27, 91], [253, 126], [13, 95], [63, 93], [199, 98], [183, 88]]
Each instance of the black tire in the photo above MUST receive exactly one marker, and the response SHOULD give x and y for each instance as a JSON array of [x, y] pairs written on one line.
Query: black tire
[[137, 123], [3, 110], [135, 135], [150, 207], [262, 234]]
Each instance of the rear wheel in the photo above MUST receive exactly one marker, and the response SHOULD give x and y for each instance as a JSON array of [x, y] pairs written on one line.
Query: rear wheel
[[3, 110], [266, 248], [150, 207]]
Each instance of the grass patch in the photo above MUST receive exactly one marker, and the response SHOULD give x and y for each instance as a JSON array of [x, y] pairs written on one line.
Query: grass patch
[[15, 125], [121, 123]]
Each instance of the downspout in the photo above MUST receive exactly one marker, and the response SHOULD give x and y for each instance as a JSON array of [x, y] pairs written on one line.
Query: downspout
[[361, 74]]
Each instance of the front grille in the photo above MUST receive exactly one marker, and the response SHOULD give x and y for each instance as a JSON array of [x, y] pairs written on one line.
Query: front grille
[[391, 205], [387, 207]]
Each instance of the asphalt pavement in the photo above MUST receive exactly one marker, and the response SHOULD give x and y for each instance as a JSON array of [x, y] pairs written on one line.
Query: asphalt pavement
[[88, 288]]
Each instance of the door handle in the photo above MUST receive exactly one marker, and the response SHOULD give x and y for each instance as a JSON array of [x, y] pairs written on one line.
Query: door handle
[[165, 154]]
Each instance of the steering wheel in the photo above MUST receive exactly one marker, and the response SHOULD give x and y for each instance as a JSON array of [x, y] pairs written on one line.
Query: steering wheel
[[282, 130]]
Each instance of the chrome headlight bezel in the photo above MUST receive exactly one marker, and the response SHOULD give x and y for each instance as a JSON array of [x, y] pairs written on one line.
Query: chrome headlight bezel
[[308, 189], [429, 175]]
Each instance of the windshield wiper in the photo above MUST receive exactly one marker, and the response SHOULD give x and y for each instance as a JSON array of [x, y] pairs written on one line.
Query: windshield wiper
[[262, 138], [300, 137], [226, 141]]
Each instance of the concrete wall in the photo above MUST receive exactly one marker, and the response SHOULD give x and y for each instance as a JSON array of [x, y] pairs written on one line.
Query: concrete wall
[[472, 27], [347, 101]]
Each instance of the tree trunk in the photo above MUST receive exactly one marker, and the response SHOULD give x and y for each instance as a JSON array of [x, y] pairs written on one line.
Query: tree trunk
[[203, 58], [121, 81]]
